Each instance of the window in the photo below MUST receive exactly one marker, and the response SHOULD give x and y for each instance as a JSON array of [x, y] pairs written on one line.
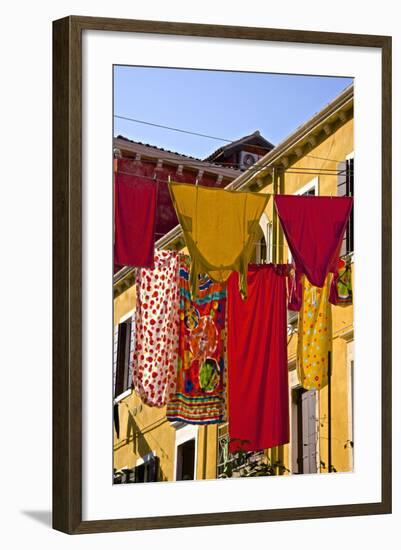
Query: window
[[345, 187], [123, 349], [186, 461], [304, 425], [263, 248], [350, 364], [308, 190], [146, 470], [186, 438]]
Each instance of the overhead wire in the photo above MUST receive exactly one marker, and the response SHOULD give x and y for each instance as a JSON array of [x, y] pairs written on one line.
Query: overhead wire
[[208, 136], [172, 128]]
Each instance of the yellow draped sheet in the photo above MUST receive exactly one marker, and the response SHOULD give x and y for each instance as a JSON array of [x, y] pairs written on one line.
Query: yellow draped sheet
[[220, 229], [314, 335]]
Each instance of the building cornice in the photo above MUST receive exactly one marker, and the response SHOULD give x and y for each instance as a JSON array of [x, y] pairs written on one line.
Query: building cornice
[[147, 152]]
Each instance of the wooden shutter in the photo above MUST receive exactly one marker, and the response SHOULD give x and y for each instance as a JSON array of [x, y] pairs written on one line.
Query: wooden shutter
[[152, 469], [147, 472], [296, 431], [309, 433], [121, 350], [139, 474], [124, 357], [131, 352], [342, 192], [115, 346], [350, 193], [345, 188]]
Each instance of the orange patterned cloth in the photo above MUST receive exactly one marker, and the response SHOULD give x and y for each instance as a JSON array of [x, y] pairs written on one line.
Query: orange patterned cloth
[[315, 335]]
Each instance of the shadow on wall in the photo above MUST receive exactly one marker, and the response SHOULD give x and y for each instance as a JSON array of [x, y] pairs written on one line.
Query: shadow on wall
[[139, 444]]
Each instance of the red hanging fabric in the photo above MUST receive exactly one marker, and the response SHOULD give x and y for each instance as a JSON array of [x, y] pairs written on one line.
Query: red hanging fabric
[[294, 290], [314, 228], [134, 220], [257, 360]]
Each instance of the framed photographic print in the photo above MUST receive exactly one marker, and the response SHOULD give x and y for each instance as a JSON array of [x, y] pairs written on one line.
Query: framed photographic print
[[221, 274]]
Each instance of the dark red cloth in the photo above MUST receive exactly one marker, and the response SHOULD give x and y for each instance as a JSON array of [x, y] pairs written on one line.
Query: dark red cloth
[[294, 290], [166, 218], [257, 360], [134, 220], [314, 228]]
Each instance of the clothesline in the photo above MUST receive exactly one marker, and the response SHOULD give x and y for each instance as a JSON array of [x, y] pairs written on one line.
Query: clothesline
[[253, 242], [311, 173], [205, 164], [172, 128]]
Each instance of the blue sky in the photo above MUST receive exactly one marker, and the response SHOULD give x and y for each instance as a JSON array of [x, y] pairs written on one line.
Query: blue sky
[[218, 103]]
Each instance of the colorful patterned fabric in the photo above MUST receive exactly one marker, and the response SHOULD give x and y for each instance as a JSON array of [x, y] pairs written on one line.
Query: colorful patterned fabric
[[220, 229], [200, 383], [314, 336], [341, 286], [156, 327]]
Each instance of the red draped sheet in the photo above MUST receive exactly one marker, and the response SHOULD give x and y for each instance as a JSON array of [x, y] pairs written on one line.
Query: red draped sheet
[[134, 220], [314, 228], [257, 360]]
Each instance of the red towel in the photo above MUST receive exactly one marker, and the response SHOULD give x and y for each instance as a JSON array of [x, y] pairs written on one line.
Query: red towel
[[314, 228], [134, 220], [257, 360]]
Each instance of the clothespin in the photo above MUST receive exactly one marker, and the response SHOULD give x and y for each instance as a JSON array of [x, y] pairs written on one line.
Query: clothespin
[[198, 177], [169, 178], [117, 155]]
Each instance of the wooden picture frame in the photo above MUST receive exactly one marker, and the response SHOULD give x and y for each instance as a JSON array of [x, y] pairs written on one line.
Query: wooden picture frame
[[67, 273]]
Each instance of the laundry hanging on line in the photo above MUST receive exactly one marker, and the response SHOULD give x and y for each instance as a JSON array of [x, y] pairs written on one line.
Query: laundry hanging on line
[[135, 201], [258, 400], [341, 287], [314, 228], [294, 289], [201, 369], [220, 228], [314, 335], [156, 329]]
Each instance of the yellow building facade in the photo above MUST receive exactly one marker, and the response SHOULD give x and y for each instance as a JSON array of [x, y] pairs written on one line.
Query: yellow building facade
[[316, 159]]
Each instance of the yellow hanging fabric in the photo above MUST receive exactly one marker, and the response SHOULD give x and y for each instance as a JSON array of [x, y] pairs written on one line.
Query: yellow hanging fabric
[[314, 335], [220, 229]]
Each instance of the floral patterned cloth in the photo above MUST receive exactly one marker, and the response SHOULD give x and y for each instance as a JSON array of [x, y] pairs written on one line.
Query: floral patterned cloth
[[156, 327], [200, 383], [341, 286], [314, 336]]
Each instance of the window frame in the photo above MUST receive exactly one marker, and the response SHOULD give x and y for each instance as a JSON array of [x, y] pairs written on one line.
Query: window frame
[[267, 229], [122, 395], [183, 433], [349, 246], [294, 385]]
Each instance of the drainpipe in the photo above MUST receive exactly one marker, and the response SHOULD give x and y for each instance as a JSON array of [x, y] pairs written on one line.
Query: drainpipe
[[204, 452]]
